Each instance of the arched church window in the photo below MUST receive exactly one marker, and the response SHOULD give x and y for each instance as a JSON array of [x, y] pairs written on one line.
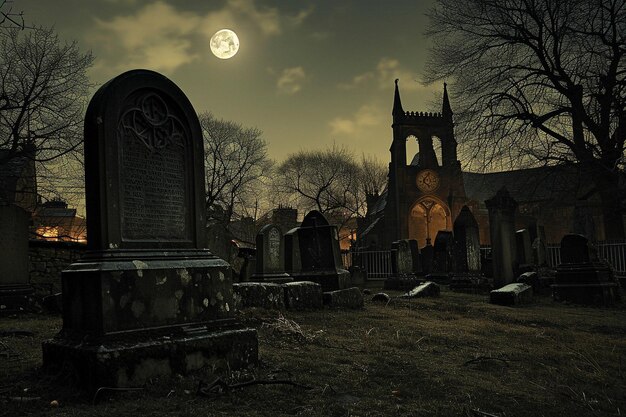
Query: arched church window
[[412, 150]]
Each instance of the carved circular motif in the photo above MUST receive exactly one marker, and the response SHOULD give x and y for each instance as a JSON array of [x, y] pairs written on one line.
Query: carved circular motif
[[427, 180]]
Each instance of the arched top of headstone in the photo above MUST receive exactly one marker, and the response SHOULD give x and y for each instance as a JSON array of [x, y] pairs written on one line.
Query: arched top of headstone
[[269, 228], [314, 219], [465, 219], [144, 165], [576, 249]]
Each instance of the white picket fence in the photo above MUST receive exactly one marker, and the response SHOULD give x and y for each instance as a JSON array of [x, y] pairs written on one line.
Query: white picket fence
[[378, 263]]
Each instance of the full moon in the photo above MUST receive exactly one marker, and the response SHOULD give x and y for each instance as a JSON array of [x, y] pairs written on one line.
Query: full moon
[[224, 44]]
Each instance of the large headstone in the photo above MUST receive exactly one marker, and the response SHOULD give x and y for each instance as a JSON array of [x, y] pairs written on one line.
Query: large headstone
[[270, 260], [312, 253], [14, 281], [502, 230], [581, 278], [147, 299]]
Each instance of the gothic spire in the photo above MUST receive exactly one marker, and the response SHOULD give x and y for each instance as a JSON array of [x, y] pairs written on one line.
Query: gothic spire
[[446, 110], [397, 103]]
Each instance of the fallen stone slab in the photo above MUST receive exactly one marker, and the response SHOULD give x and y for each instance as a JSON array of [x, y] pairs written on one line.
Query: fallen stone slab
[[381, 297], [348, 298], [302, 295], [427, 289], [258, 294], [530, 278], [512, 294]]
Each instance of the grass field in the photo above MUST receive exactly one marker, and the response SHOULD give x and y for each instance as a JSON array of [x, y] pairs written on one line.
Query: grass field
[[455, 355]]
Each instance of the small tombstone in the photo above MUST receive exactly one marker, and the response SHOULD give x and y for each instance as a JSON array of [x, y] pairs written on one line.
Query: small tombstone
[[538, 239], [443, 256], [523, 244], [147, 292], [348, 298], [467, 275], [402, 266], [312, 253], [467, 241], [15, 289], [426, 257], [427, 289], [270, 262], [511, 294], [581, 278], [502, 230]]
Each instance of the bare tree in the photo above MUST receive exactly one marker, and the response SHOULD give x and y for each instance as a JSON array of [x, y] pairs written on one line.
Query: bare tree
[[10, 17], [236, 164], [373, 175], [539, 81], [43, 95], [330, 181]]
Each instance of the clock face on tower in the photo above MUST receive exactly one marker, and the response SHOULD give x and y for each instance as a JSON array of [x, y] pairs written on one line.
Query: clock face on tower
[[427, 180]]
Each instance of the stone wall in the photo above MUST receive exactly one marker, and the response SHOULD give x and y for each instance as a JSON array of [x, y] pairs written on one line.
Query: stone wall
[[48, 259]]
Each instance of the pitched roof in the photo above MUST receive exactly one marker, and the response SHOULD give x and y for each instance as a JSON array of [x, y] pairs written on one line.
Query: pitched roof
[[561, 184]]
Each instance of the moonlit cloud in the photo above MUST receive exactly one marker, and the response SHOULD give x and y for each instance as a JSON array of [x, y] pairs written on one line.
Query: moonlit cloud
[[160, 37], [382, 77], [367, 116], [290, 80]]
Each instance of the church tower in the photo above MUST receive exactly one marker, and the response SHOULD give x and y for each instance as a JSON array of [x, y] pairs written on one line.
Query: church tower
[[425, 192]]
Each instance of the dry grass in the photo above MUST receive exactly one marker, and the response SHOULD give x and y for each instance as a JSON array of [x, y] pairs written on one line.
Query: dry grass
[[451, 356]]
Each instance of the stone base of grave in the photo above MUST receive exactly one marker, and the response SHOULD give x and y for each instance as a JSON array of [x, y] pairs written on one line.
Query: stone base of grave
[[259, 294], [132, 313], [348, 298], [469, 282], [131, 359], [403, 282], [512, 294], [303, 295], [591, 284], [279, 278], [329, 280], [15, 298]]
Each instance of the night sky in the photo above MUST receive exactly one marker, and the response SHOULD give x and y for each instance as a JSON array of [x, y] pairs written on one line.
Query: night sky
[[308, 73]]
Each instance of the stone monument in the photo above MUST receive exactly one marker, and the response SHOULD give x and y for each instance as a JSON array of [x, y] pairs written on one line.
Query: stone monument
[[404, 264], [580, 277], [15, 288], [467, 275], [146, 299], [312, 253], [443, 257], [270, 259], [502, 230]]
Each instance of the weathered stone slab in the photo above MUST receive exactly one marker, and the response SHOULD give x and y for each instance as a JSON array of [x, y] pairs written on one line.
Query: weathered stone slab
[[530, 278], [303, 295], [348, 298], [427, 289], [511, 294], [266, 295]]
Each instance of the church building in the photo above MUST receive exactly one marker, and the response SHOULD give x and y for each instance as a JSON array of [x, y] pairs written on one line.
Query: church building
[[427, 189]]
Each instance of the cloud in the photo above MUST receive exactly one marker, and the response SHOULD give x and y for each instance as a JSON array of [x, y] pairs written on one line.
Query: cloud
[[382, 77], [161, 37], [290, 80], [366, 117]]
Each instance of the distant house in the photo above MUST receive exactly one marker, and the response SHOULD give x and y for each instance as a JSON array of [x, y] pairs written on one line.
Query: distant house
[[54, 221]]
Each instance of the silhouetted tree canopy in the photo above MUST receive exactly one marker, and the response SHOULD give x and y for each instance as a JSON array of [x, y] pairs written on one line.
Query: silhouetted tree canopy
[[43, 96], [538, 81], [236, 164]]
